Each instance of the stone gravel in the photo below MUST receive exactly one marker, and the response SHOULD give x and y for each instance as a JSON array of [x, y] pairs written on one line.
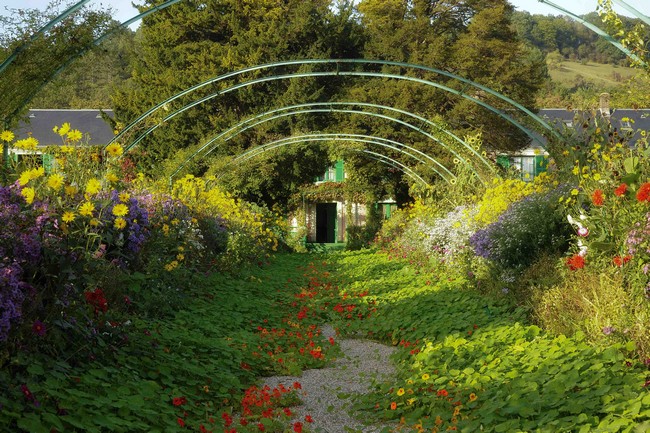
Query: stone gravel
[[362, 362]]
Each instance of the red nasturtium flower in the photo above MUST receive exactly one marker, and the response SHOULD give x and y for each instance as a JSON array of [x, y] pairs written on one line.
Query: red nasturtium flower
[[597, 197], [575, 262], [643, 194], [97, 300], [179, 401], [393, 405], [621, 190], [308, 418], [180, 422], [38, 328], [443, 393], [620, 261], [297, 427]]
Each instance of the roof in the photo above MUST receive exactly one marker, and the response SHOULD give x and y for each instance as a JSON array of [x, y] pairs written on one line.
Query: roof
[[89, 121], [98, 131], [640, 118]]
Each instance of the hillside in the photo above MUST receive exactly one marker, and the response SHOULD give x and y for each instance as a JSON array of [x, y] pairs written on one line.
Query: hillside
[[569, 73]]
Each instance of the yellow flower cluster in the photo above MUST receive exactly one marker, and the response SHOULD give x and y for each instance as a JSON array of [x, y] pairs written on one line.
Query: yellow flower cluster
[[203, 197], [501, 194]]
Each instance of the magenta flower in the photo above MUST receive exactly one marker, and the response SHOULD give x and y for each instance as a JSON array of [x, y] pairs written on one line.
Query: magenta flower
[[38, 328]]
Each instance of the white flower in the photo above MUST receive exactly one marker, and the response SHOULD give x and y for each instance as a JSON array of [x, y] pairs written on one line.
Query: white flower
[[583, 231]]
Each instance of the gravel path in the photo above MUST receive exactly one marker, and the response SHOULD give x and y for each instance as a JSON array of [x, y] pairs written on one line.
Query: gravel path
[[362, 362]]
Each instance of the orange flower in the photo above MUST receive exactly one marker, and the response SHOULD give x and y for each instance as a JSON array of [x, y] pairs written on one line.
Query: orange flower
[[393, 405], [575, 262], [597, 197], [620, 261], [643, 194]]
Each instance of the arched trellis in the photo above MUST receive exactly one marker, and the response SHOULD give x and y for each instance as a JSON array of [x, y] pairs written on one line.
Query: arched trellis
[[72, 9], [260, 119], [356, 138], [393, 163], [374, 155], [338, 63], [600, 32], [633, 11], [168, 3], [96, 42], [324, 107]]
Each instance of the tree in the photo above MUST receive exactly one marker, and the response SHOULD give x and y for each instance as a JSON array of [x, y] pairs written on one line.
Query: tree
[[193, 41], [33, 58], [88, 81]]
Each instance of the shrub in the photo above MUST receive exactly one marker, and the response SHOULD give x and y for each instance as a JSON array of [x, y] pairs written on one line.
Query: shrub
[[529, 228]]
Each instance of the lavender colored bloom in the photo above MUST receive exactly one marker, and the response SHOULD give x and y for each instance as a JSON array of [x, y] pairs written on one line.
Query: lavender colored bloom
[[607, 330]]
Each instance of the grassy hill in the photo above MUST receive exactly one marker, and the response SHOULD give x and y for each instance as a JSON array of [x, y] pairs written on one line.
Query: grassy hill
[[568, 73]]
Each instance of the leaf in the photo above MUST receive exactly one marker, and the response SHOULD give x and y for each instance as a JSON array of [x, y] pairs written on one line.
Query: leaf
[[603, 246], [33, 424], [631, 178], [630, 164]]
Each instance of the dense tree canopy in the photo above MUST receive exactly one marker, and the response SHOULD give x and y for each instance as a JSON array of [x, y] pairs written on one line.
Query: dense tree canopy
[[193, 41]]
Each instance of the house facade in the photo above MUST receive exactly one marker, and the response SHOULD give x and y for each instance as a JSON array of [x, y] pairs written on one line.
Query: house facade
[[327, 218]]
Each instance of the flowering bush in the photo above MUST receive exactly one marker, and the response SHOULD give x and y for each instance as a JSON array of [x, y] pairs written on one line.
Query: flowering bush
[[529, 228], [501, 194], [449, 236], [252, 233]]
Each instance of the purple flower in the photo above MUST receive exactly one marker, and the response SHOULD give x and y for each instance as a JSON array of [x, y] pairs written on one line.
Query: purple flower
[[607, 330]]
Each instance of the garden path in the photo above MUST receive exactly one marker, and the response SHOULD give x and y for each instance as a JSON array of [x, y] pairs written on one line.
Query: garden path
[[322, 389]]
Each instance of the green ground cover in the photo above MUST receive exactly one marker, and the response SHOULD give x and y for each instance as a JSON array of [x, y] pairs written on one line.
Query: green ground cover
[[178, 372], [474, 363]]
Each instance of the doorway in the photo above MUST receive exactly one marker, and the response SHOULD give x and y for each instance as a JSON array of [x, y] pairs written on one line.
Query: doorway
[[326, 223]]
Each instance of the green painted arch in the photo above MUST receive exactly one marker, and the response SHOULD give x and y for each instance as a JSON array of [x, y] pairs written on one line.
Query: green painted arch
[[360, 138], [333, 107], [374, 155], [96, 42], [258, 120], [633, 11], [338, 63], [600, 32], [72, 9]]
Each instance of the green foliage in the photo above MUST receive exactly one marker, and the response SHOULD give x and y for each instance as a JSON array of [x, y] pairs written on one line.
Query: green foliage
[[38, 58], [202, 350], [472, 362]]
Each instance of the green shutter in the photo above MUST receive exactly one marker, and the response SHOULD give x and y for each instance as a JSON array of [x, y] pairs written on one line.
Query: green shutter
[[541, 164], [503, 161], [48, 162], [340, 171]]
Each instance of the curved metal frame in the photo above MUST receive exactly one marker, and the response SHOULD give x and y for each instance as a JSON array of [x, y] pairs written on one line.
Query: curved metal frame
[[243, 125], [96, 42], [633, 11], [600, 32], [331, 108], [72, 9], [358, 138], [312, 74], [339, 62], [376, 156]]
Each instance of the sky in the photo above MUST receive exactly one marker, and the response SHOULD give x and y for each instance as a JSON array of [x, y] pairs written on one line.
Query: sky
[[124, 10]]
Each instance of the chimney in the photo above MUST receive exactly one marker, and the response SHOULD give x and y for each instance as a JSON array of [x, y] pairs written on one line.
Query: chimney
[[604, 105]]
